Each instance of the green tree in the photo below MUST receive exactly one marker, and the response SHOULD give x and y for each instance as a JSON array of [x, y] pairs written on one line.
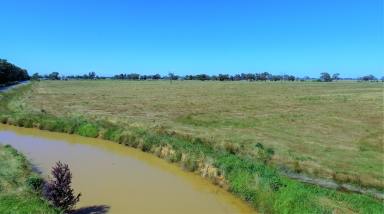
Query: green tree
[[156, 77], [35, 77], [92, 75], [223, 77], [172, 77], [325, 77], [11, 73], [336, 76], [54, 76], [368, 78]]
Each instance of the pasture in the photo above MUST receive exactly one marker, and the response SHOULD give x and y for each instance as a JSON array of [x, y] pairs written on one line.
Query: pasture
[[328, 130]]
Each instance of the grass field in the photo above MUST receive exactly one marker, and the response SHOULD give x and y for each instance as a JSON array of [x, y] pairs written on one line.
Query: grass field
[[228, 127], [330, 130], [16, 196]]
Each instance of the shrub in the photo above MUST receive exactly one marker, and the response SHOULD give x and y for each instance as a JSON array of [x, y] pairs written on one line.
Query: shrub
[[264, 154], [270, 152], [47, 124], [58, 190], [297, 167], [128, 139], [175, 157], [88, 130], [35, 182], [232, 148], [69, 126], [259, 145], [25, 122], [112, 134], [190, 163], [11, 121], [3, 119]]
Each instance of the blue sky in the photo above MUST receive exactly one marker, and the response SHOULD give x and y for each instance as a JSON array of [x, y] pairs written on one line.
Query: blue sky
[[300, 37]]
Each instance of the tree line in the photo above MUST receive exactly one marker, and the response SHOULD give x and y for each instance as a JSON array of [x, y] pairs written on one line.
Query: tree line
[[243, 76], [10, 73], [265, 76], [205, 77]]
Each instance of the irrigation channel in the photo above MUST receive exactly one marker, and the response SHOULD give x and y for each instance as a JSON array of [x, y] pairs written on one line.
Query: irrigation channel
[[117, 179]]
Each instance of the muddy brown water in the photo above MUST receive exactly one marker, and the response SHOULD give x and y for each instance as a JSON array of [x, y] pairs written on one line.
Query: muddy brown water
[[117, 179]]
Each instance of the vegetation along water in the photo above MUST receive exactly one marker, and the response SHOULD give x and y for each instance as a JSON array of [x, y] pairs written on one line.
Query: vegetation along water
[[117, 179], [17, 194]]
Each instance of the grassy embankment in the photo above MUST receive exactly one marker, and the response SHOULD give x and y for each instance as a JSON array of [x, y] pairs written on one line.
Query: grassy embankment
[[251, 177], [17, 194]]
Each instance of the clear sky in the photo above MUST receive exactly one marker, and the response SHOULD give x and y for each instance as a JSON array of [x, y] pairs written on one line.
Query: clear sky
[[300, 37]]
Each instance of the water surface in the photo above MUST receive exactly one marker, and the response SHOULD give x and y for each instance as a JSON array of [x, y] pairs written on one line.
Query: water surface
[[120, 179]]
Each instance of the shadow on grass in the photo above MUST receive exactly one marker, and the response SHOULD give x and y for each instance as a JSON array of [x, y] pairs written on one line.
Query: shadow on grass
[[99, 209]]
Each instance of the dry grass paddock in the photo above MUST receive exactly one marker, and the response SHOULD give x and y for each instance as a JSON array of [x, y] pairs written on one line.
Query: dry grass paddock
[[331, 130]]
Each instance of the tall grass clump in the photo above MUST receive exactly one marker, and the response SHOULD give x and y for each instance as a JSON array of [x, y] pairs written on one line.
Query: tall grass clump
[[88, 130]]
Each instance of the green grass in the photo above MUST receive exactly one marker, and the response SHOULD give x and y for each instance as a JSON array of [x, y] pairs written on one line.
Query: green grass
[[328, 130], [88, 130], [247, 168], [17, 195]]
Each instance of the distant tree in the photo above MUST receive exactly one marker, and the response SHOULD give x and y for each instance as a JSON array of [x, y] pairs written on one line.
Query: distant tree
[[223, 77], [291, 78], [276, 78], [262, 76], [368, 78], [35, 77], [325, 77], [54, 76], [156, 77], [249, 77], [133, 76], [85, 76], [172, 76], [117, 76], [237, 77], [214, 77], [202, 77], [336, 76], [92, 75], [59, 191]]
